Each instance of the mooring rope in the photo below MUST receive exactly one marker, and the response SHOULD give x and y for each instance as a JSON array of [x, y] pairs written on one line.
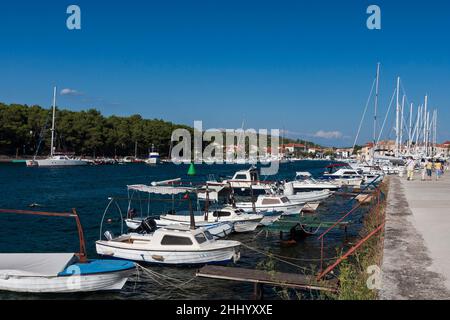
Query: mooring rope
[[276, 257], [164, 280]]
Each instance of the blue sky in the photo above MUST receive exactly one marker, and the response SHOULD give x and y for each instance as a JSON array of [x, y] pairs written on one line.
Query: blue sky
[[305, 66]]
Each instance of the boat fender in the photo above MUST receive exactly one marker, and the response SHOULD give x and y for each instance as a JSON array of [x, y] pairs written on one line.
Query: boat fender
[[158, 258]]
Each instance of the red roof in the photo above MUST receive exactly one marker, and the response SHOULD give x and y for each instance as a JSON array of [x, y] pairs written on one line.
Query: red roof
[[294, 145]]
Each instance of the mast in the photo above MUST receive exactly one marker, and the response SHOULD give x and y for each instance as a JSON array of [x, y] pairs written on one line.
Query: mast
[[375, 113], [410, 128], [52, 145], [425, 124], [401, 122], [397, 119]]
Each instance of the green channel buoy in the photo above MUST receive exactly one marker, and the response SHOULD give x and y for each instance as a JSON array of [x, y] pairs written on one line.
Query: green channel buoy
[[192, 171]]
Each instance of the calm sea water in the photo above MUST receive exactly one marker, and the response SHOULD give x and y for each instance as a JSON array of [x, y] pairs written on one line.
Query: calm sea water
[[87, 189]]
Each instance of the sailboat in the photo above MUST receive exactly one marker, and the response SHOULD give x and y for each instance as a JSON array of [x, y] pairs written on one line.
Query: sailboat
[[55, 160]]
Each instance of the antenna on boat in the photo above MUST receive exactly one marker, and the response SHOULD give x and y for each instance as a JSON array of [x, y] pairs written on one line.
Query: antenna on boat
[[52, 146]]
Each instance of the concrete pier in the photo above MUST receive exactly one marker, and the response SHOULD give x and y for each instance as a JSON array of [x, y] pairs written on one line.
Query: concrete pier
[[416, 262]]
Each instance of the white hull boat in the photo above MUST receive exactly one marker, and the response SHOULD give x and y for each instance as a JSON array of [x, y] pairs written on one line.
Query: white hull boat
[[55, 273], [271, 203], [304, 182], [242, 221], [218, 229], [60, 272], [307, 197], [343, 175], [172, 245], [57, 161]]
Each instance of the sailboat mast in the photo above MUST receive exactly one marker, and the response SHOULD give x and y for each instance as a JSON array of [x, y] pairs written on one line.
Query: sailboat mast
[[410, 128], [424, 119], [375, 113], [401, 122], [397, 120], [52, 144]]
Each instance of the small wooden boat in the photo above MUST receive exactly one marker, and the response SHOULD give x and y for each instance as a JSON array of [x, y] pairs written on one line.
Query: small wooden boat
[[60, 272], [171, 245]]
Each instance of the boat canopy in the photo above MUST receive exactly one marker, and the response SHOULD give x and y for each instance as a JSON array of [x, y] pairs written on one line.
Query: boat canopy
[[34, 264], [213, 192], [165, 190]]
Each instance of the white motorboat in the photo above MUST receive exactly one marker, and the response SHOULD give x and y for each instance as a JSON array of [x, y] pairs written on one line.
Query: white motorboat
[[171, 245], [304, 182], [55, 160], [343, 175], [247, 183], [308, 197], [60, 272], [242, 221], [272, 203], [153, 157], [288, 191]]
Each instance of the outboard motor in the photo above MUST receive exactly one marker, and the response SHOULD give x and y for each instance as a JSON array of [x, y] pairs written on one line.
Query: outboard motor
[[147, 226]]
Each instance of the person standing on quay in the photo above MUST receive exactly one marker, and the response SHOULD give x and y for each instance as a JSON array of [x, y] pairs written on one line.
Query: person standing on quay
[[429, 166], [424, 169], [438, 169], [410, 166]]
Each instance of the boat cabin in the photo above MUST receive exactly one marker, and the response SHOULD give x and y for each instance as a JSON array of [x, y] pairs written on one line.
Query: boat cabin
[[250, 175], [172, 236]]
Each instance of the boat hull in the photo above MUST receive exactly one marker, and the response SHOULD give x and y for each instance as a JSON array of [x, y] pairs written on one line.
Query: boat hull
[[112, 281], [292, 208], [239, 226], [192, 257], [56, 163], [313, 196]]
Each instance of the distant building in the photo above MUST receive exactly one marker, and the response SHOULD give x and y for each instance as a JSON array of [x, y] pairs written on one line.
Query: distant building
[[344, 153], [293, 148]]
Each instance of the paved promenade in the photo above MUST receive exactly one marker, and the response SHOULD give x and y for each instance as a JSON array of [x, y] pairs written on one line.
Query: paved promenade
[[416, 262]]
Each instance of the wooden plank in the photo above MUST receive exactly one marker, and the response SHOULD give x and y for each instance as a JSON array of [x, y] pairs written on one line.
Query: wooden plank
[[279, 279]]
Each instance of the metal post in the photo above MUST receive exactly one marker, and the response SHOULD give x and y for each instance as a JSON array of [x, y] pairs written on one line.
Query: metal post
[[52, 144]]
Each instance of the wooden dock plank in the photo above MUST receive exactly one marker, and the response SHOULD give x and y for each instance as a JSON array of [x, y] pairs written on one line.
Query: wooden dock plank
[[279, 279]]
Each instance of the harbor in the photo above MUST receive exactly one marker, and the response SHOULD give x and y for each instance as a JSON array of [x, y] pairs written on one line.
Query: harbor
[[99, 183], [224, 158]]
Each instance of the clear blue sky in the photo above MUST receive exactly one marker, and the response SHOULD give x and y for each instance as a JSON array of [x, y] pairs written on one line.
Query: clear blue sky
[[305, 66]]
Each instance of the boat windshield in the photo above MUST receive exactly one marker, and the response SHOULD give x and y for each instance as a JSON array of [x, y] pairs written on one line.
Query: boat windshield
[[284, 200], [201, 238], [208, 235]]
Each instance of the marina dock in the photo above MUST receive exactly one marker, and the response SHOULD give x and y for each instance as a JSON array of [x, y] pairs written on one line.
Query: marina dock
[[416, 256]]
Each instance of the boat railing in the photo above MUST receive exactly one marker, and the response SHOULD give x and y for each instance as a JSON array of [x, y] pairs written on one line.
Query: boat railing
[[82, 255]]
